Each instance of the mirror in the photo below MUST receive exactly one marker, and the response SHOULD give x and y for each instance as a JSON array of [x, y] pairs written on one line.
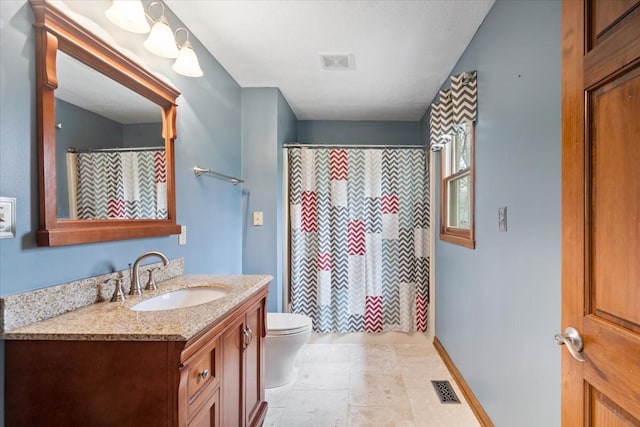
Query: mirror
[[118, 121], [106, 142]]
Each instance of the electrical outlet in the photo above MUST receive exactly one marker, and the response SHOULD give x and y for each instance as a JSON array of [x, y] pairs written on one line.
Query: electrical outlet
[[7, 217], [182, 238], [257, 218]]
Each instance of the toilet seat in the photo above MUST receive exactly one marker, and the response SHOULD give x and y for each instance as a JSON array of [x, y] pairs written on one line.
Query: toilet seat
[[279, 324]]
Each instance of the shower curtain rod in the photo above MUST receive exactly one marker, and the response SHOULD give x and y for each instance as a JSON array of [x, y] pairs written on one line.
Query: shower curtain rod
[[295, 145], [106, 150]]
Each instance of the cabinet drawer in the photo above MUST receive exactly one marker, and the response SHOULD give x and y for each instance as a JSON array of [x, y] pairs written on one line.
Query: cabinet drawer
[[202, 370], [208, 415]]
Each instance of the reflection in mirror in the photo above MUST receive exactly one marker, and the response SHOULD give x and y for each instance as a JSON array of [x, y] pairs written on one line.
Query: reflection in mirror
[[109, 148]]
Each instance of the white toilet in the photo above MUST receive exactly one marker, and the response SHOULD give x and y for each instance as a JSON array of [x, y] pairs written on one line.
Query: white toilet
[[286, 334]]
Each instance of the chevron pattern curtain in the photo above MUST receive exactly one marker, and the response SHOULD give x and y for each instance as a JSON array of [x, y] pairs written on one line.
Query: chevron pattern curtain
[[360, 238], [458, 104], [121, 185]]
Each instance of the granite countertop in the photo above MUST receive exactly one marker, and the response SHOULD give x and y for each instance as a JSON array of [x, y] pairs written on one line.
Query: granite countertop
[[115, 321]]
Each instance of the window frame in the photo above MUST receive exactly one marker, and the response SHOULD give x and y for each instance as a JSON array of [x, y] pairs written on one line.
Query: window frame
[[459, 236]]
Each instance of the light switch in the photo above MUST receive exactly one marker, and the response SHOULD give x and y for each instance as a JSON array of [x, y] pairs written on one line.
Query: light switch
[[182, 238], [257, 218], [502, 219], [7, 217]]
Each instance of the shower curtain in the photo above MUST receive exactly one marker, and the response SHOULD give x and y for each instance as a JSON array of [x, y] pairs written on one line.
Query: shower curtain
[[359, 238], [118, 185]]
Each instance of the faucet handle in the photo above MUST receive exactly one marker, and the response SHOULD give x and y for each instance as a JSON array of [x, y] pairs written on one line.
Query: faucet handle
[[151, 284], [118, 293]]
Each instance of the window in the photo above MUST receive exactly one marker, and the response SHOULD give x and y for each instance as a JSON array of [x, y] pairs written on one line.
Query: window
[[457, 187]]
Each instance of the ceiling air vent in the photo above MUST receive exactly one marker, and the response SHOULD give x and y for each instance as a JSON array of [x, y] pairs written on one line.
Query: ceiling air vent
[[335, 62]]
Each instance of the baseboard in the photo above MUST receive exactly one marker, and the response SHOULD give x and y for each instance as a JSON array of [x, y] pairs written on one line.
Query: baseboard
[[471, 399]]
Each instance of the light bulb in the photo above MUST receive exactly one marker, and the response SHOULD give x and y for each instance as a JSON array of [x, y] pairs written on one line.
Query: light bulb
[[160, 41], [187, 62], [129, 15]]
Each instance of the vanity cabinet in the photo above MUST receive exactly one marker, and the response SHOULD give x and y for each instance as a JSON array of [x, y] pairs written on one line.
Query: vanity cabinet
[[213, 379]]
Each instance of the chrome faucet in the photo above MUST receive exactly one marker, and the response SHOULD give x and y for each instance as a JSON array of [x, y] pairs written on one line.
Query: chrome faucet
[[136, 289]]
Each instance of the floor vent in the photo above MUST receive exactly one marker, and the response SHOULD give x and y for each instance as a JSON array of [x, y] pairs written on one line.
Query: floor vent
[[445, 392]]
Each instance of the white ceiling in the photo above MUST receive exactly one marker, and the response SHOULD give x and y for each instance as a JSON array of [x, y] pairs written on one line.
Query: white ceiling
[[404, 50]]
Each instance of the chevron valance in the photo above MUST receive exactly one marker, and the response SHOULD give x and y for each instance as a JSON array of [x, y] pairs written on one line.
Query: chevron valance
[[457, 104]]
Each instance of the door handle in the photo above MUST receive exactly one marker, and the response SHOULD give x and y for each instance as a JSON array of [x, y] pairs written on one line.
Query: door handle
[[573, 341], [250, 332], [248, 337]]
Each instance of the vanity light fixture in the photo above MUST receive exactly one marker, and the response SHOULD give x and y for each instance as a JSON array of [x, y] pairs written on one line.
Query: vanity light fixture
[[129, 15], [187, 61], [161, 41]]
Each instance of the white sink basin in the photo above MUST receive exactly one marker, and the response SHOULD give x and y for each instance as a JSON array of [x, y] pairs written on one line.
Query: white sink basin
[[180, 298]]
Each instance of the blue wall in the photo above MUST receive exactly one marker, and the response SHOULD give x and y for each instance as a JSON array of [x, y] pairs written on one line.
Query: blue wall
[[267, 122], [498, 306], [142, 135], [359, 132], [84, 129]]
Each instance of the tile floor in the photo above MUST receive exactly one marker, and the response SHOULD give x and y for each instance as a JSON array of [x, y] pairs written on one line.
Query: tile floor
[[349, 383]]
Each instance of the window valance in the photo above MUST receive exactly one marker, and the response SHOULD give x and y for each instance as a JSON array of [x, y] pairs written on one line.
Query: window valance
[[456, 105]]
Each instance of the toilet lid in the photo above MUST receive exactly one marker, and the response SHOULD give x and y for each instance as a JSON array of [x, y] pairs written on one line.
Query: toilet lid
[[287, 323]]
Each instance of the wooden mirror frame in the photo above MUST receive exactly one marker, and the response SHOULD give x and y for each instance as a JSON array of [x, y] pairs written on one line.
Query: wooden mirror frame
[[54, 31]]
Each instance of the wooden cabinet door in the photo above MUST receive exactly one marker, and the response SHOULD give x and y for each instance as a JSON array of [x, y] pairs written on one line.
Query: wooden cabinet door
[[241, 388], [231, 398], [253, 382], [601, 211]]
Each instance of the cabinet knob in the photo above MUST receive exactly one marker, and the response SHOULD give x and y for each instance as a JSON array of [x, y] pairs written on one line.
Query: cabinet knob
[[203, 374]]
